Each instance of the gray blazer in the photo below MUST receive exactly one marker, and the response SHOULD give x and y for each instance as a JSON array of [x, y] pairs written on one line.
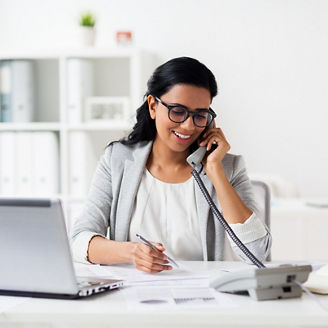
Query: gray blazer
[[113, 191]]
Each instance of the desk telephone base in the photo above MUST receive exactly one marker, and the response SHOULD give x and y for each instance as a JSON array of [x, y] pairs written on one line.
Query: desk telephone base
[[264, 283]]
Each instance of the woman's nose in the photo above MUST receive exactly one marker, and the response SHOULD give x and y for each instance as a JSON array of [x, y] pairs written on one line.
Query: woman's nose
[[188, 124]]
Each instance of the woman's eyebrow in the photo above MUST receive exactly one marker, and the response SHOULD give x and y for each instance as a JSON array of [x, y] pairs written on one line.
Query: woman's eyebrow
[[180, 105], [177, 104]]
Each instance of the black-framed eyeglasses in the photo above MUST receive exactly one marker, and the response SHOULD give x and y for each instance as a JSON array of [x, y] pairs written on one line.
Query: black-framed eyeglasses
[[179, 114]]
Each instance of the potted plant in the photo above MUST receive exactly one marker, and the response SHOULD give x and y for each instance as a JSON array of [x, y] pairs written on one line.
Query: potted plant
[[87, 28]]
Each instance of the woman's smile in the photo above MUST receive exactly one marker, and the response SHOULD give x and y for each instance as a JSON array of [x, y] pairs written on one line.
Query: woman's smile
[[181, 137]]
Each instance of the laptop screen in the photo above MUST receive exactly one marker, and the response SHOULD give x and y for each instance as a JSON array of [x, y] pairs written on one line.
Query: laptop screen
[[34, 247]]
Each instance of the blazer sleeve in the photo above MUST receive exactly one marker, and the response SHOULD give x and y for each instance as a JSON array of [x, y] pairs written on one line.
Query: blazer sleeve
[[253, 232], [94, 218]]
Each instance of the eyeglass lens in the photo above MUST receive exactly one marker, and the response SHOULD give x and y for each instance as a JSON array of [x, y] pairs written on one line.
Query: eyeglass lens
[[180, 114]]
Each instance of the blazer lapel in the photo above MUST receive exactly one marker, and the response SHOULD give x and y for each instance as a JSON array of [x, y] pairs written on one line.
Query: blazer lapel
[[133, 170], [203, 209]]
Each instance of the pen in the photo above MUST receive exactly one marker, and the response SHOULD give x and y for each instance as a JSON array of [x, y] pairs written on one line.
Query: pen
[[145, 241]]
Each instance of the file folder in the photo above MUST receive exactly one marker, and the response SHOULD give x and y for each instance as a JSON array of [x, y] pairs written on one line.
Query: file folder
[[5, 91], [45, 163], [79, 87], [22, 91], [7, 163]]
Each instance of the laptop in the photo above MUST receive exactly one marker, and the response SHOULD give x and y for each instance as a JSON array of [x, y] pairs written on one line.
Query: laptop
[[35, 253]]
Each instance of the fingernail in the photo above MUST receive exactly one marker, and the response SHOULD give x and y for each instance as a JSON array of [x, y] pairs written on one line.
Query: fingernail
[[169, 268]]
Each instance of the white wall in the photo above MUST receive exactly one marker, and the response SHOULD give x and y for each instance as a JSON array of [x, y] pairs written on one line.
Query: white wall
[[269, 56]]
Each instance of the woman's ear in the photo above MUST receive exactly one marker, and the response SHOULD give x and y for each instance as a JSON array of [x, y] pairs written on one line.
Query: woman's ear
[[152, 106]]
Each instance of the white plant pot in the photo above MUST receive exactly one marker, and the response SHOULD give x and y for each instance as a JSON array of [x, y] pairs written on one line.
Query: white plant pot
[[87, 36]]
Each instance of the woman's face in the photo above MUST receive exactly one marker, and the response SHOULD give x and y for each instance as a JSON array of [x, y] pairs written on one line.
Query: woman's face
[[178, 136]]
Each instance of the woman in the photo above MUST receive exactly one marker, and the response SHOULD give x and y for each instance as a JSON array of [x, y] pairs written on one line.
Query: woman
[[144, 185]]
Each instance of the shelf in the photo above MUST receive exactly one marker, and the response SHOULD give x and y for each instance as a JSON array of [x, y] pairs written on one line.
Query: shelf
[[103, 126], [36, 126], [114, 72], [113, 52], [33, 126]]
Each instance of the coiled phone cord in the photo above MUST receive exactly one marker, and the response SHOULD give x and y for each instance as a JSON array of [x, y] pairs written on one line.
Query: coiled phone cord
[[226, 226]]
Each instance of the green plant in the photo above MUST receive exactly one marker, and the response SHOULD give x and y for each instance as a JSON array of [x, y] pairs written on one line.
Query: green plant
[[88, 19]]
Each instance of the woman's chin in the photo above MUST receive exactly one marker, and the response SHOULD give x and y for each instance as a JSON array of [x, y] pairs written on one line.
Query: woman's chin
[[180, 147]]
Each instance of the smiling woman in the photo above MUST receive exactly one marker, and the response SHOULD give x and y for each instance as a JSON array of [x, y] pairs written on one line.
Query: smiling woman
[[143, 184]]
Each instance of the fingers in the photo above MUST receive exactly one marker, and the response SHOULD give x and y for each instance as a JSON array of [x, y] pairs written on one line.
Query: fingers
[[148, 260], [217, 131], [148, 254], [151, 267], [219, 140], [214, 136], [159, 246]]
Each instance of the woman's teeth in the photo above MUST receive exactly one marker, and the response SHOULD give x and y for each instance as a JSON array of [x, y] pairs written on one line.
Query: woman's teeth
[[182, 136]]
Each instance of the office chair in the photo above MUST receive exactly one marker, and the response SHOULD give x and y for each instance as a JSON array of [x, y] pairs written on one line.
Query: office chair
[[262, 197]]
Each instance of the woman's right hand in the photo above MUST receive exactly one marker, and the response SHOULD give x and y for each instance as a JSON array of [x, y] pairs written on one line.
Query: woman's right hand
[[148, 260]]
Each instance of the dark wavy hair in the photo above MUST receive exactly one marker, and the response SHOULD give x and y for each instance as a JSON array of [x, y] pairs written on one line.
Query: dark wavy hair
[[182, 70]]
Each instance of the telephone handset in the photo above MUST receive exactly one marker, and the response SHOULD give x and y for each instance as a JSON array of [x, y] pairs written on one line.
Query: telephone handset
[[197, 156], [261, 283]]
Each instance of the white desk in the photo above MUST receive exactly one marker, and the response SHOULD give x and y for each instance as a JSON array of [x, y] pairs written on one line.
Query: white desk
[[110, 310]]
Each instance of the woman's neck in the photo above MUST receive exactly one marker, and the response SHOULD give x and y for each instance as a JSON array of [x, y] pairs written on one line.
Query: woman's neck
[[167, 165], [163, 156]]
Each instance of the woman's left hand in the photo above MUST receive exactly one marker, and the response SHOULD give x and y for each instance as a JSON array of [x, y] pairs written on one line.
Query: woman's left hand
[[210, 137]]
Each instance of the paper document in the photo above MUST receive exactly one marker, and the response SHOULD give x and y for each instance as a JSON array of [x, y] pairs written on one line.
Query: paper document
[[161, 297], [133, 276]]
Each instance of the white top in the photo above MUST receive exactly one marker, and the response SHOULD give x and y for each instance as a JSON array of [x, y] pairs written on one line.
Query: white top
[[167, 213]]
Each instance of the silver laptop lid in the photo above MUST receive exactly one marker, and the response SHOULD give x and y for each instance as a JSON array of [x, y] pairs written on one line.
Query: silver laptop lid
[[34, 248]]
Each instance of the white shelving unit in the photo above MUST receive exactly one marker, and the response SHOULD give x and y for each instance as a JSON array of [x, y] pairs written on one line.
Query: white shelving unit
[[120, 72]]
